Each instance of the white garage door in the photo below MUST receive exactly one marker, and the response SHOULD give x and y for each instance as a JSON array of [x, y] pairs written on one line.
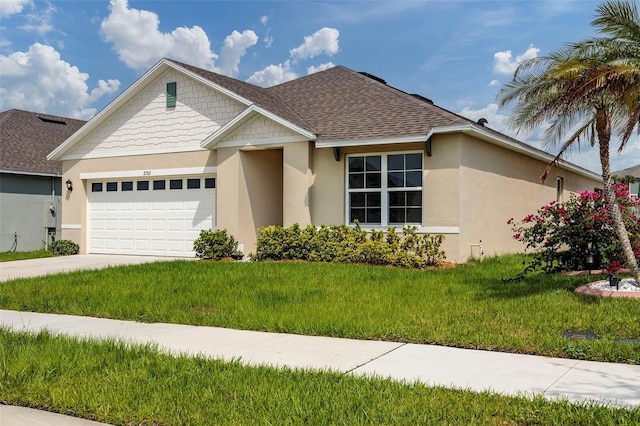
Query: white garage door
[[156, 216]]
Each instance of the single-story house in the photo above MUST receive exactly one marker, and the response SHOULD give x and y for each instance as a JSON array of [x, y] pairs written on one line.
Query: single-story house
[[634, 171], [30, 186], [185, 149]]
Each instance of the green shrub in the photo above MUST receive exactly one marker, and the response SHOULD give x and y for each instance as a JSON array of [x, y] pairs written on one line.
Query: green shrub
[[64, 247], [216, 245], [346, 244]]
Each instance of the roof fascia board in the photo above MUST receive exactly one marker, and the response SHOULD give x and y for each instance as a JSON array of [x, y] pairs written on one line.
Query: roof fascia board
[[216, 138], [480, 133], [20, 172], [373, 141]]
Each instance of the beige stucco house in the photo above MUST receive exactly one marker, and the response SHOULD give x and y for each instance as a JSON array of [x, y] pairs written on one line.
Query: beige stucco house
[[185, 149]]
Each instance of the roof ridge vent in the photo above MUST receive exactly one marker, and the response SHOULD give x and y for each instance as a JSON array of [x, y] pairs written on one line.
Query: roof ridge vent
[[422, 98], [373, 77], [53, 120]]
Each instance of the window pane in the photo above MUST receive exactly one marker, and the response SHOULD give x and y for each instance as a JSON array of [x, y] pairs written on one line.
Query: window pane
[[126, 186], [414, 198], [209, 182], [158, 184], [356, 164], [112, 186], [373, 199], [142, 185], [356, 180], [374, 163], [396, 215], [414, 215], [396, 180], [374, 180], [357, 214], [357, 199], [395, 162], [413, 179], [193, 183], [413, 161], [96, 187], [396, 199], [374, 216], [175, 184]]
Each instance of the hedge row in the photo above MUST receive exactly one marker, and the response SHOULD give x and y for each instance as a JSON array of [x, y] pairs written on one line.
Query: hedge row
[[341, 243]]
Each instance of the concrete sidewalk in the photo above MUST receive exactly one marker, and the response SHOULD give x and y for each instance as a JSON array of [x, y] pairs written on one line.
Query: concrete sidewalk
[[504, 373], [55, 265]]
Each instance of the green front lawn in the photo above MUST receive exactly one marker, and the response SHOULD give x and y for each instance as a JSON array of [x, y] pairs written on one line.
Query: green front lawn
[[123, 385], [468, 306], [10, 256]]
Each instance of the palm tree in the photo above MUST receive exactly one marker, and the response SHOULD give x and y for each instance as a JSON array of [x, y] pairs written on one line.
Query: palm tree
[[586, 91]]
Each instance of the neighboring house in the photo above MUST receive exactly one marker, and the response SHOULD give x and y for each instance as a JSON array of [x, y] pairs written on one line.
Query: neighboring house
[[634, 187], [30, 186], [185, 149]]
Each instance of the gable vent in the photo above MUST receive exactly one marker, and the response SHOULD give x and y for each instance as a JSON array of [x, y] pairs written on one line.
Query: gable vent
[[52, 120]]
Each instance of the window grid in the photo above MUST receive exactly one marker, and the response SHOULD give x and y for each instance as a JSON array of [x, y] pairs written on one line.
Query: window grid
[[394, 197]]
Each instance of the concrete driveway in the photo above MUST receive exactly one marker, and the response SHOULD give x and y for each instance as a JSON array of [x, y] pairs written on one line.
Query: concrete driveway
[[56, 265]]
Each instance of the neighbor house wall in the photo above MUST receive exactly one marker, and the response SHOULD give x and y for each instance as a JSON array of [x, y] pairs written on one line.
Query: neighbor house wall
[[74, 203], [497, 184], [28, 206]]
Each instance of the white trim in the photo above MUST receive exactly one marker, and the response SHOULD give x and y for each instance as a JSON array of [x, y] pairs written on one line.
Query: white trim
[[70, 226], [259, 142], [131, 153], [419, 229], [215, 139], [150, 173], [374, 141]]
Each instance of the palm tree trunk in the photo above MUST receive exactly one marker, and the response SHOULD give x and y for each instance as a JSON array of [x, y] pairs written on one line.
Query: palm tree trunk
[[603, 128]]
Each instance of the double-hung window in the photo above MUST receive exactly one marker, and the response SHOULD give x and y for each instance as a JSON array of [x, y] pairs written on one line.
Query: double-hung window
[[385, 189]]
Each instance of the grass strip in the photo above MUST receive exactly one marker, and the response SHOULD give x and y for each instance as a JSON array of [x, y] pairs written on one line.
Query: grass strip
[[125, 385], [468, 306], [10, 256]]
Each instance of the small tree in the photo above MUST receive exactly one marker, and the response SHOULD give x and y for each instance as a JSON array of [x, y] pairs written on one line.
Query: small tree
[[563, 233]]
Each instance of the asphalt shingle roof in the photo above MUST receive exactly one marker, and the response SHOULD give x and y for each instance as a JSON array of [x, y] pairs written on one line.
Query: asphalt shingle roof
[[26, 138], [341, 104], [631, 171]]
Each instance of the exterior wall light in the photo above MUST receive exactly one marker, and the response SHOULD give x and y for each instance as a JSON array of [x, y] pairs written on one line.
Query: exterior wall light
[[69, 185]]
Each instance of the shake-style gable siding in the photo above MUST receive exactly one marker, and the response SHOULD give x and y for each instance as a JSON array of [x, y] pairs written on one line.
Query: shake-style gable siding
[[258, 128], [146, 125]]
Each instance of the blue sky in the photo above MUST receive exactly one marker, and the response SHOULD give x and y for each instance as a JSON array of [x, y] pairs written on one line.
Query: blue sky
[[72, 58]]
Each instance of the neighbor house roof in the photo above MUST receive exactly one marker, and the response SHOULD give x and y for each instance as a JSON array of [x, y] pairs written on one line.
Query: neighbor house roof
[[631, 171], [27, 137]]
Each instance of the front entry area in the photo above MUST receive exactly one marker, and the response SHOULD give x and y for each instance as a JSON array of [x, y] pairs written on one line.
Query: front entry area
[[159, 216]]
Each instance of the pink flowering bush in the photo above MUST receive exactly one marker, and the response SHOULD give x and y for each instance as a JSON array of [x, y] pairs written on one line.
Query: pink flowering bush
[[562, 234]]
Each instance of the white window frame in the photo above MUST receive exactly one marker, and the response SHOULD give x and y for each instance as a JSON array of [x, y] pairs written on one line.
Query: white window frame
[[384, 189]]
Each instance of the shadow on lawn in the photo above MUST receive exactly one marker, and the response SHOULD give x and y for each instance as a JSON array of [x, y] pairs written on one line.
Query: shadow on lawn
[[535, 285]]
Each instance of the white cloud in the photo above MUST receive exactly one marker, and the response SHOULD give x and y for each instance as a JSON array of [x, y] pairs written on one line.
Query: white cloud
[[39, 80], [234, 47], [494, 83], [139, 43], [325, 40], [268, 41], [322, 67], [40, 22], [12, 7], [495, 120], [503, 62], [272, 75], [264, 19]]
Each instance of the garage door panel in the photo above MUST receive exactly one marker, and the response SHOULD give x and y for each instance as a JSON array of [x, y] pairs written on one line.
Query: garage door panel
[[161, 222]]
